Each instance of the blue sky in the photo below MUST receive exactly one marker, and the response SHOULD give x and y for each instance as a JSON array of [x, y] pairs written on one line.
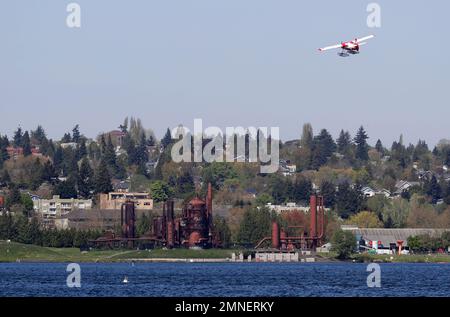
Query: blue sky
[[229, 62]]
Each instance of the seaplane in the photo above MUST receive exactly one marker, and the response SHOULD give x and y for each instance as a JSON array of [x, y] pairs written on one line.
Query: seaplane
[[350, 47]]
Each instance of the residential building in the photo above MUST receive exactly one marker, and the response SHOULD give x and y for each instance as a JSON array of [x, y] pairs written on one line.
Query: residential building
[[288, 207], [402, 186], [121, 186], [56, 207], [72, 145], [370, 192], [114, 200]]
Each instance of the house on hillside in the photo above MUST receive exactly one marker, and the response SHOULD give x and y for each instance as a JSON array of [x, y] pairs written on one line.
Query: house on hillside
[[402, 186]]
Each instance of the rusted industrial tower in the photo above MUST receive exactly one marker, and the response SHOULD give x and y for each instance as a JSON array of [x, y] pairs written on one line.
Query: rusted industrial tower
[[281, 241], [197, 217], [128, 220], [193, 229]]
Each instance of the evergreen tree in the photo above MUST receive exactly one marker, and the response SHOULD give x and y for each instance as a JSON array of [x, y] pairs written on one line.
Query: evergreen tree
[[14, 196], [323, 148], [328, 191], [76, 134], [344, 143], [85, 179], [379, 147], [81, 150], [141, 155], [48, 172], [26, 144], [58, 160], [254, 226], [348, 200], [36, 174], [66, 138], [66, 189], [109, 154], [420, 150], [362, 148], [302, 190], [167, 139], [38, 135], [102, 179], [3, 150], [433, 189], [17, 139]]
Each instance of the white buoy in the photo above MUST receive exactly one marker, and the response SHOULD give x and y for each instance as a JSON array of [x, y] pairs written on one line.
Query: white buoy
[[125, 280]]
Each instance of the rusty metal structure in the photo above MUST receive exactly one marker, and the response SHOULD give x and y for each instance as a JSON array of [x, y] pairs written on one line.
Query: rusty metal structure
[[193, 229], [128, 237], [280, 240]]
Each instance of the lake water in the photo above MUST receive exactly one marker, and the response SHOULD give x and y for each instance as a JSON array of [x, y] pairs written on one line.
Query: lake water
[[224, 279]]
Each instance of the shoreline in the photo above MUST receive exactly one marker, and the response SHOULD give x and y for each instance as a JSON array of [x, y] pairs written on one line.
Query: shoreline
[[12, 252]]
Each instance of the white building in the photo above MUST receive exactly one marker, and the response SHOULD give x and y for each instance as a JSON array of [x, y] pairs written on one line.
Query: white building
[[56, 207]]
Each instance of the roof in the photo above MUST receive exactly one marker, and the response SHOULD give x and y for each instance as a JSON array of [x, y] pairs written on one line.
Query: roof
[[196, 201], [388, 236]]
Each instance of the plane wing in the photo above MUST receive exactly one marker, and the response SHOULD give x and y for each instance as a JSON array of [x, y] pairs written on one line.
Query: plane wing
[[365, 38], [330, 47]]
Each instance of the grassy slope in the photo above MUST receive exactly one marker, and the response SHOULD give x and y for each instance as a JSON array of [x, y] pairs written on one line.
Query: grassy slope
[[10, 252]]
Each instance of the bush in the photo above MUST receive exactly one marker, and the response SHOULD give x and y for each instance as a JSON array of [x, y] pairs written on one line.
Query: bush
[[343, 243]]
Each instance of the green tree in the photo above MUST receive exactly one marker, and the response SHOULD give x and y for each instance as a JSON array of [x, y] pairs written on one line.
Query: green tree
[[348, 200], [263, 199], [222, 230], [143, 225], [323, 148], [433, 190], [306, 140], [362, 148], [167, 139], [160, 191], [76, 134], [17, 138], [379, 147], [26, 144], [365, 219], [328, 191], [48, 172], [67, 138], [27, 203], [81, 150], [255, 225], [217, 172], [14, 196], [3, 150], [102, 179], [302, 190], [344, 143], [66, 189], [109, 153], [343, 243], [85, 179]]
